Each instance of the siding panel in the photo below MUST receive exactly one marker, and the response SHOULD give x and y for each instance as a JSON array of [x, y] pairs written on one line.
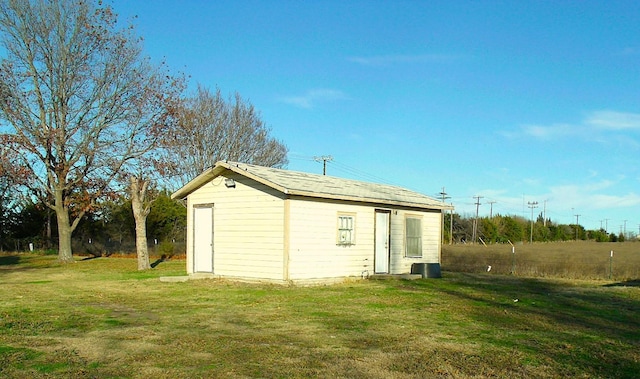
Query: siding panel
[[314, 251], [248, 228], [430, 240]]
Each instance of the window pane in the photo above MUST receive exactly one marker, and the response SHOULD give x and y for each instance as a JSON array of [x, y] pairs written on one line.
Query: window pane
[[413, 227], [345, 236], [345, 229], [413, 237]]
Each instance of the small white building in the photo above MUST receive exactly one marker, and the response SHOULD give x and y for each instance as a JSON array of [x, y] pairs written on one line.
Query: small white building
[[250, 222]]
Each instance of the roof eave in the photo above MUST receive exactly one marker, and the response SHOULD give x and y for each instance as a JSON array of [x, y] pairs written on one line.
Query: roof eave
[[371, 200], [213, 172], [197, 182], [250, 175]]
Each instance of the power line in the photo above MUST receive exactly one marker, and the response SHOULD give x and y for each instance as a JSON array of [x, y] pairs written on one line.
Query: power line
[[359, 173], [339, 166], [301, 157]]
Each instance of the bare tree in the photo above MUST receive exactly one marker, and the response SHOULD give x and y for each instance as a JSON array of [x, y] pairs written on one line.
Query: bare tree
[[12, 177], [149, 170], [212, 128], [141, 207], [79, 101]]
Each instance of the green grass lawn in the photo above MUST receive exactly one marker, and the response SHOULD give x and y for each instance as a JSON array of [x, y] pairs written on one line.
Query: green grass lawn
[[102, 318]]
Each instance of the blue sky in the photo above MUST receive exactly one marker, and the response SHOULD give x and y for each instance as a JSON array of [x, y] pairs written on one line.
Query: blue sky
[[514, 101]]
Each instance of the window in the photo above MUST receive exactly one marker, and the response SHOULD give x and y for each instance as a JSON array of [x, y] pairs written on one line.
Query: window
[[346, 229], [413, 237]]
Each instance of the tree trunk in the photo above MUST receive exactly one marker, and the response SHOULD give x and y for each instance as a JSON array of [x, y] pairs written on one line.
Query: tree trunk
[[64, 235], [47, 239], [140, 212]]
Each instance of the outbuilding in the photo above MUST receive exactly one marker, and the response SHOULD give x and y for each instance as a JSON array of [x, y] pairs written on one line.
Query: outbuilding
[[250, 222]]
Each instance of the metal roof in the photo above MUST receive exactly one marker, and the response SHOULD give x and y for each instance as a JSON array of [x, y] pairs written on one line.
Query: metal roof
[[296, 183]]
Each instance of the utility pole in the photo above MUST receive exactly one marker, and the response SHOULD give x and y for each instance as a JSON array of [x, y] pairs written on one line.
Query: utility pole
[[475, 222], [625, 230], [443, 196], [491, 209], [324, 159], [544, 214], [451, 226], [577, 226], [532, 204], [606, 225]]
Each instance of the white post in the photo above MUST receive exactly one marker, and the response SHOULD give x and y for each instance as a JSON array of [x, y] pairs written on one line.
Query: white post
[[611, 265]]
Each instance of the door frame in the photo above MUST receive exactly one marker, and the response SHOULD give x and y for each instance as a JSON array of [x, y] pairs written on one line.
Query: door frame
[[195, 231], [387, 248]]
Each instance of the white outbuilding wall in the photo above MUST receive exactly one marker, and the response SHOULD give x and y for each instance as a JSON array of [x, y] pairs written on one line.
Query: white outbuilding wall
[[275, 225]]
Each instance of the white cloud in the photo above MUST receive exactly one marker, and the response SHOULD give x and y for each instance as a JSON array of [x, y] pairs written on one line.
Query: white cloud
[[549, 132], [591, 127], [313, 97], [590, 197], [385, 60], [613, 120]]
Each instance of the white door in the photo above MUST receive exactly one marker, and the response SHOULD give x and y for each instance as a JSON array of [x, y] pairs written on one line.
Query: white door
[[381, 259], [203, 239]]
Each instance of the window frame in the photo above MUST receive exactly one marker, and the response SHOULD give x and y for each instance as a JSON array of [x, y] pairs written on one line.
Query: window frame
[[350, 231], [407, 237]]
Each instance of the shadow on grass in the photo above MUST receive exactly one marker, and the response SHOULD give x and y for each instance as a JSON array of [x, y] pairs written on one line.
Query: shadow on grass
[[158, 261], [91, 257], [9, 260], [17, 262], [626, 283], [585, 330]]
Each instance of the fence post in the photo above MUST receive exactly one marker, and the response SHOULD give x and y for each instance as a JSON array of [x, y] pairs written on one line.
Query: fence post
[[513, 260], [611, 265]]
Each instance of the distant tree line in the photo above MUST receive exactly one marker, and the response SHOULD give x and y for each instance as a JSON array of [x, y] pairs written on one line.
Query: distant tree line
[[111, 230], [511, 228]]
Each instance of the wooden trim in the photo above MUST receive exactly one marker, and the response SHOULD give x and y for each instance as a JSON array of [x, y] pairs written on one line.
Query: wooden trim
[[287, 238], [365, 200], [353, 215], [422, 224], [206, 205], [440, 234], [193, 231], [388, 237]]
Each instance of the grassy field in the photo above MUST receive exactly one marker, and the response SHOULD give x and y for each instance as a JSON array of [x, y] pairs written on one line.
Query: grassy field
[[569, 260], [100, 318]]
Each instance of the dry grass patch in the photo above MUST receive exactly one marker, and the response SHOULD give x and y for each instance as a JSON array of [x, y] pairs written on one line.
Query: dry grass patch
[[570, 260]]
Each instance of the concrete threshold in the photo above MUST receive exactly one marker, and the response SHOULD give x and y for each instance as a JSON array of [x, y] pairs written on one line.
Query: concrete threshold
[[395, 276], [174, 279]]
